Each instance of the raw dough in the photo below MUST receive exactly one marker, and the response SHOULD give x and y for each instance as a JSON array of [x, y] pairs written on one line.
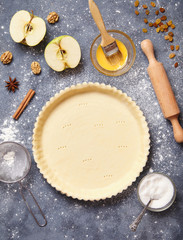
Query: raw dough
[[91, 141]]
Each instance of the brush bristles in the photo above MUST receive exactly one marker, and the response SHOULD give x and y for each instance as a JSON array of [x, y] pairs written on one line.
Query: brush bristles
[[115, 58], [112, 53]]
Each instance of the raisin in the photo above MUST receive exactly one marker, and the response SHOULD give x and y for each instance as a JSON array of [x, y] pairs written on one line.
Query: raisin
[[171, 34], [144, 30], [157, 12], [162, 10], [150, 24], [176, 65], [158, 20], [172, 26], [144, 6], [136, 12], [153, 4], [166, 37], [170, 39], [163, 18], [172, 47], [145, 20], [171, 55], [170, 23], [177, 47], [136, 3]]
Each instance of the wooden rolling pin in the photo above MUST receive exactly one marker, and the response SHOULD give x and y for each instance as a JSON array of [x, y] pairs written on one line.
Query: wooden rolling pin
[[163, 89]]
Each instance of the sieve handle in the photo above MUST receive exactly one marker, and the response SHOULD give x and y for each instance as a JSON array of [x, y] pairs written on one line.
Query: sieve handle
[[29, 208]]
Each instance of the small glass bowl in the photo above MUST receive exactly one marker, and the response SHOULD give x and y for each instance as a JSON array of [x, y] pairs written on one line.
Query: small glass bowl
[[168, 204], [126, 40]]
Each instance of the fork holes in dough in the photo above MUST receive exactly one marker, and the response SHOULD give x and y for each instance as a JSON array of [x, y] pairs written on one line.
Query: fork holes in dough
[[108, 176], [122, 146], [62, 147], [87, 160], [66, 125]]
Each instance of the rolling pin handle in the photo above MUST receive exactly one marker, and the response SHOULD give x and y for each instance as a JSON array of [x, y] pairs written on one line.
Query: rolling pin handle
[[177, 129], [147, 48]]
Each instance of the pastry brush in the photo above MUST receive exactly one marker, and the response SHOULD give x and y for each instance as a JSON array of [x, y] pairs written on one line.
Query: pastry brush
[[108, 43]]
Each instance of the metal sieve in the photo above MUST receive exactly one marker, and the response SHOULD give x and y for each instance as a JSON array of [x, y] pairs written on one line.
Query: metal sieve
[[15, 164]]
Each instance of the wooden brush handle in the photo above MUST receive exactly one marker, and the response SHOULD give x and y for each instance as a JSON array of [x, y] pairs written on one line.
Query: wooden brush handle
[[163, 89], [106, 38]]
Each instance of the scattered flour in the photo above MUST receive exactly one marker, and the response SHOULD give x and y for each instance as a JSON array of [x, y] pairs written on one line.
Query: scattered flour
[[8, 131]]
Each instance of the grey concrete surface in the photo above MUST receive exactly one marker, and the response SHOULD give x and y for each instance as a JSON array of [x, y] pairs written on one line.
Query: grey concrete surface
[[68, 218]]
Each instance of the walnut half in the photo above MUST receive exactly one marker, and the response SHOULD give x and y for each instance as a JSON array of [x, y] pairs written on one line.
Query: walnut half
[[36, 68], [6, 57], [52, 17]]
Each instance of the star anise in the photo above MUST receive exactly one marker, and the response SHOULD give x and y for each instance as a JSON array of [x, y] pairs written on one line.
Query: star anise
[[12, 85]]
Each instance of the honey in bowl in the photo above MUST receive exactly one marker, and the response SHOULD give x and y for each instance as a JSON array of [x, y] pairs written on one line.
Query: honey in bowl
[[104, 63]]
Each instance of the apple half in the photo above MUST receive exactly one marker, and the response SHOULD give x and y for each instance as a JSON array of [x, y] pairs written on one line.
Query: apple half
[[62, 52], [27, 29]]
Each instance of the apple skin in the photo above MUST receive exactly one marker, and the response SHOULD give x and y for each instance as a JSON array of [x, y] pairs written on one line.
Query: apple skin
[[24, 40], [57, 41]]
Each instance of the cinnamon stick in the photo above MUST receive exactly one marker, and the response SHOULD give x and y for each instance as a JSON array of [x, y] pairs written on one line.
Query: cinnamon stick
[[24, 104]]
